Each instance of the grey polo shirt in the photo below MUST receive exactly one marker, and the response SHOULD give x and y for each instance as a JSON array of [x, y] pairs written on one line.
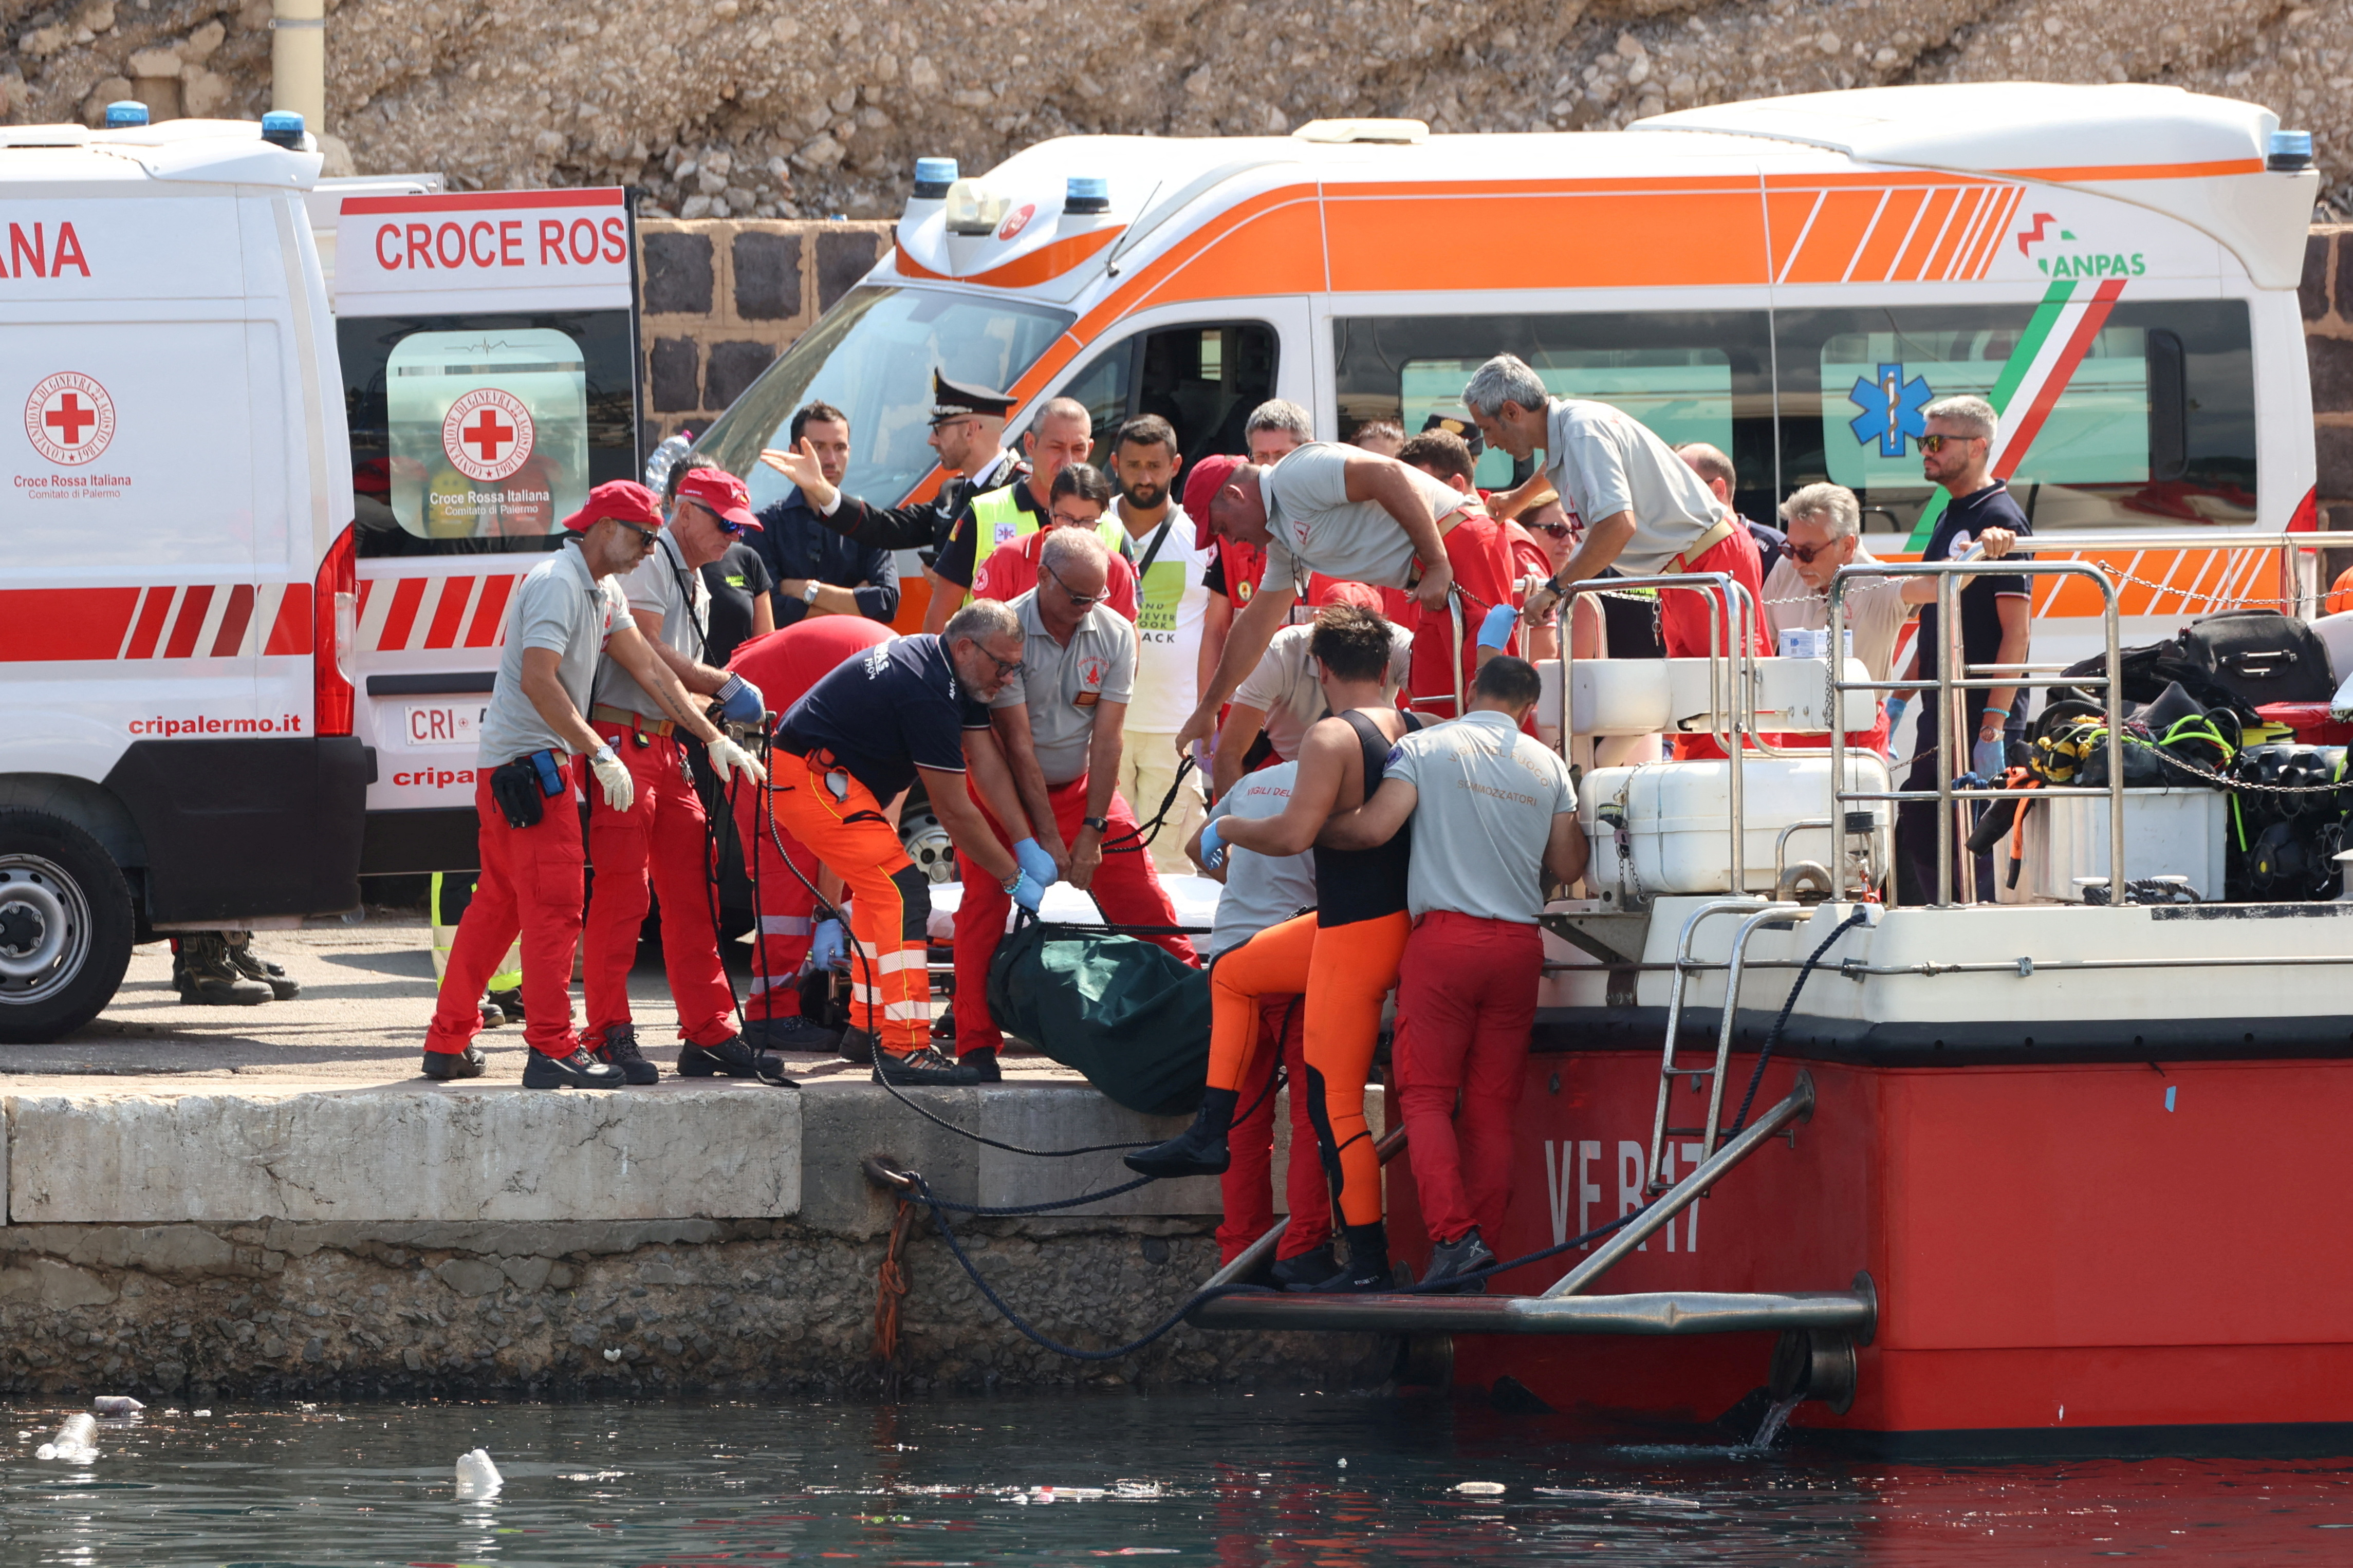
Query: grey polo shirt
[[1604, 461], [1487, 796], [1063, 684], [1261, 890], [560, 607], [1283, 687], [1314, 527], [664, 584]]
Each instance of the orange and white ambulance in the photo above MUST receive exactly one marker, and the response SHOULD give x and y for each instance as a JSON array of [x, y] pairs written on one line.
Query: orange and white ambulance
[[216, 687], [1789, 280]]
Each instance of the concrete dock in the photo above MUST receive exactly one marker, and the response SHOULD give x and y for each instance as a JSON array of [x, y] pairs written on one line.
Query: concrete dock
[[208, 1203]]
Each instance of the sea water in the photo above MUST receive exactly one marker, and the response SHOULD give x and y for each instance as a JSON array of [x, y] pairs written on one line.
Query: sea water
[[1307, 1478]]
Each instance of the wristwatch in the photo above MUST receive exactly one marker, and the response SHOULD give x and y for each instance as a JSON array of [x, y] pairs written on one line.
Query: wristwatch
[[1100, 824], [809, 590]]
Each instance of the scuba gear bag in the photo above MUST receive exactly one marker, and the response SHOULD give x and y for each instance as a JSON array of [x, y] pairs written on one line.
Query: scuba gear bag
[[1132, 1017]]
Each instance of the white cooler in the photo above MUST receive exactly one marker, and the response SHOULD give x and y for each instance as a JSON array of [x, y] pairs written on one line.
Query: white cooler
[[1678, 816], [2168, 833]]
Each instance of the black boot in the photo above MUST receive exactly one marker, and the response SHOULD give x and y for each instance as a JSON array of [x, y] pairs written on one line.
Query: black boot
[[1367, 1269], [1467, 1254], [208, 977], [450, 1065], [619, 1048], [254, 967], [1200, 1149]]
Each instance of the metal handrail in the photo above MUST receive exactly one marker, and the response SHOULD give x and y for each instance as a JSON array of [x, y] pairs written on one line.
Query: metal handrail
[[1953, 744], [1733, 614], [1668, 1070]]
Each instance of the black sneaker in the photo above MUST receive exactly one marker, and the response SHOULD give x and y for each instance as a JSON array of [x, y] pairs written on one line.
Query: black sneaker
[[448, 1065], [730, 1058], [509, 1002], [620, 1050], [578, 1071], [982, 1064], [925, 1066], [491, 1017], [1307, 1269], [241, 955], [1467, 1254], [857, 1045], [793, 1033]]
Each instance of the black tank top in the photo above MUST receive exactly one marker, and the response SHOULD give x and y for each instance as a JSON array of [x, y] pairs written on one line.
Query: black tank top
[[1354, 885]]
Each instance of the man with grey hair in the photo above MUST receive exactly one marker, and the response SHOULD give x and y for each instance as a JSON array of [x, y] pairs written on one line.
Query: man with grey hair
[[1825, 532], [1955, 452], [1642, 508], [1058, 723], [1276, 428]]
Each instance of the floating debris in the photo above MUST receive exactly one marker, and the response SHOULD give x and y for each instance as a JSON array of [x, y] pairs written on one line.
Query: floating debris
[[116, 1406], [75, 1442], [1646, 1499], [1059, 1494], [1482, 1489], [594, 1476], [477, 1477]]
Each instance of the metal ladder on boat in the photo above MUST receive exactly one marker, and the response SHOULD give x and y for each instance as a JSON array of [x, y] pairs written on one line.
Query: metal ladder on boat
[[1759, 915]]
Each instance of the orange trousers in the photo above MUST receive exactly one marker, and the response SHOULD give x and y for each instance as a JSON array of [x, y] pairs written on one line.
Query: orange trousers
[[842, 825], [1343, 973]]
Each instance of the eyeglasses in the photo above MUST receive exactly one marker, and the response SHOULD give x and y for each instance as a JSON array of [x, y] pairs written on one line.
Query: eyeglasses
[[646, 536], [1804, 554], [1005, 667], [1064, 519], [1078, 600], [1938, 443]]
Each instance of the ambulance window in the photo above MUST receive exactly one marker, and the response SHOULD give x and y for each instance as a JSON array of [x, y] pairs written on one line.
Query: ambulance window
[[1203, 379], [489, 433], [1698, 376], [2149, 418]]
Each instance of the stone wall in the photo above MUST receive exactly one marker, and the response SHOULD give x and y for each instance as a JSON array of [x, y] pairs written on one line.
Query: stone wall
[[719, 300], [2327, 291], [787, 108]]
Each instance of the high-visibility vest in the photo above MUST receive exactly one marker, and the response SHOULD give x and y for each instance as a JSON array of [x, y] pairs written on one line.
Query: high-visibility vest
[[1001, 519]]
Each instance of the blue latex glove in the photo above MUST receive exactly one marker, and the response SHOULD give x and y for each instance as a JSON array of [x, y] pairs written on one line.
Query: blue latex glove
[[1028, 892], [1036, 864], [1988, 759], [740, 701], [1213, 847], [828, 946], [1496, 629]]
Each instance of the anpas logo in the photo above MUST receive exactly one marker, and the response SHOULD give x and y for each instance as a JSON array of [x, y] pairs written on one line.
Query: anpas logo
[[2075, 264], [1890, 410]]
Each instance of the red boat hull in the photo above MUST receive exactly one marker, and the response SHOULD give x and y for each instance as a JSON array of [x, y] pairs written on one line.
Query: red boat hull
[[2055, 1249]]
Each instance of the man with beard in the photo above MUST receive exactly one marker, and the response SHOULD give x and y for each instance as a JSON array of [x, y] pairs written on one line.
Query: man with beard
[[1173, 607]]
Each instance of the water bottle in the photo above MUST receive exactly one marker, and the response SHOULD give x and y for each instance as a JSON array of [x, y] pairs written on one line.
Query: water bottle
[[75, 1441], [665, 458]]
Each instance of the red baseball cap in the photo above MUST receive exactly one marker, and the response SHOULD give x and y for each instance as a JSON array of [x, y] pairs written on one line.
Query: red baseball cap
[[1209, 476], [723, 493], [1345, 591], [625, 500]]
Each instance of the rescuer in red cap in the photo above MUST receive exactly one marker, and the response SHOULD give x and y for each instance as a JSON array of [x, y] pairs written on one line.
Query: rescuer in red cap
[[566, 611], [659, 833]]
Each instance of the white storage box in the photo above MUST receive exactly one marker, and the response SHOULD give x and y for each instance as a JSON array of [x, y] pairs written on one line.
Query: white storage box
[[1646, 696], [2168, 833], [1678, 822]]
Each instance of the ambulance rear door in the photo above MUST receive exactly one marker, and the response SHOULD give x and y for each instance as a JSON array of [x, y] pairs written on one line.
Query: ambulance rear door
[[488, 344]]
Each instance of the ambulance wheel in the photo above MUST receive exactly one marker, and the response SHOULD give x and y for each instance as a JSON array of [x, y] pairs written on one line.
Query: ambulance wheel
[[65, 928]]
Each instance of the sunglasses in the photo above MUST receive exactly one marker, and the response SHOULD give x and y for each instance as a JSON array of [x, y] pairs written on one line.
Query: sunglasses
[[646, 536], [1938, 443], [1078, 600], [1556, 530], [1804, 554]]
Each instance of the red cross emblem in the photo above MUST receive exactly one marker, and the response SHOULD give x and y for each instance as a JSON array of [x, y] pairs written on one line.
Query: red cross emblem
[[487, 434], [70, 419]]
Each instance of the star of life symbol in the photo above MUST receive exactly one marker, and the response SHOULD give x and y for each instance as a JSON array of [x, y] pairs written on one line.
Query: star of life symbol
[[70, 419], [487, 434], [1890, 410]]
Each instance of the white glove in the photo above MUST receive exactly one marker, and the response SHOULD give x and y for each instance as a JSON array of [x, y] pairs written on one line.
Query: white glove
[[727, 759], [613, 776]]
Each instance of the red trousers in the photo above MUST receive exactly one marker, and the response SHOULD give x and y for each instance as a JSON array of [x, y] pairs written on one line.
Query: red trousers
[[1686, 618], [783, 903], [1466, 1002], [663, 837], [1125, 887], [1482, 557], [1248, 1184], [529, 887]]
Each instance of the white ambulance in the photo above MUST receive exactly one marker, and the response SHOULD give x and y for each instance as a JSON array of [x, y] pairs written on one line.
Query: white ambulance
[[2115, 268], [220, 670]]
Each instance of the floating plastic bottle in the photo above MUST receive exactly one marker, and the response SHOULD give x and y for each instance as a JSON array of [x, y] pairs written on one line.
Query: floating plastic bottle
[[75, 1442], [115, 1407], [477, 1477]]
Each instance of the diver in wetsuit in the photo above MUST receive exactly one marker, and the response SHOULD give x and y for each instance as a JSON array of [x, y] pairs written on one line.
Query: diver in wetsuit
[[1343, 956]]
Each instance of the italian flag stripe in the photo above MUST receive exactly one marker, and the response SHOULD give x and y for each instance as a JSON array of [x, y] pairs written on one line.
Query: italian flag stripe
[[2057, 337]]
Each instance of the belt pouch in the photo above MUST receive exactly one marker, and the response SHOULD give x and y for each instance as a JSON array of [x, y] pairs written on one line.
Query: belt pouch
[[515, 786]]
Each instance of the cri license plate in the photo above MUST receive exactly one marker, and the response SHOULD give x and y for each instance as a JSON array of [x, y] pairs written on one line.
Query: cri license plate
[[445, 724]]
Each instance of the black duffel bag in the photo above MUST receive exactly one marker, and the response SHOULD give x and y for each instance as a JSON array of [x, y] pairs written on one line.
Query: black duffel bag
[[1134, 1017], [2262, 656]]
